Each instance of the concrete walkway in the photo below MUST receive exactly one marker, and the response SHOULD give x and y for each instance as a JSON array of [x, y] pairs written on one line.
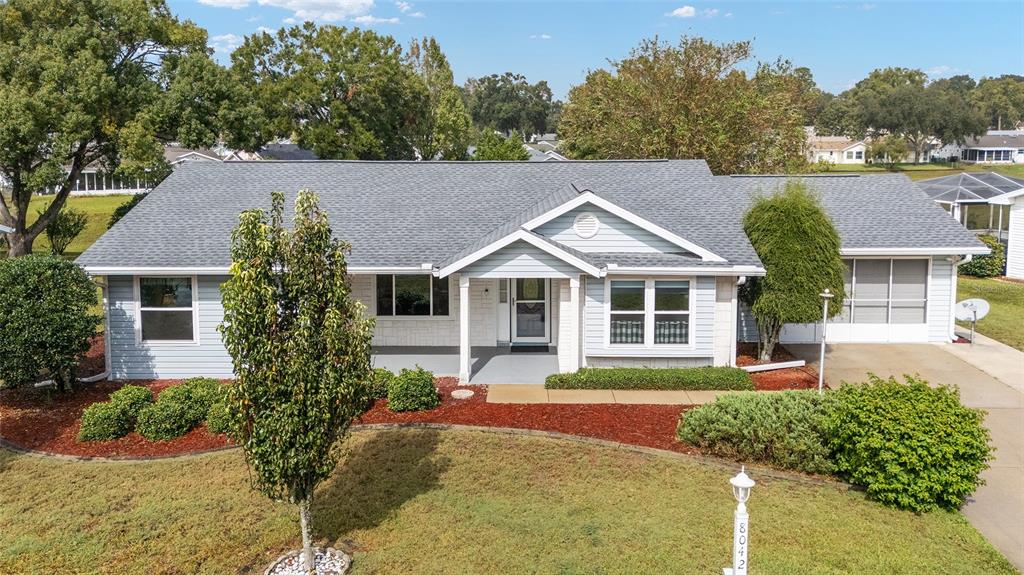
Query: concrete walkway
[[512, 393], [990, 376]]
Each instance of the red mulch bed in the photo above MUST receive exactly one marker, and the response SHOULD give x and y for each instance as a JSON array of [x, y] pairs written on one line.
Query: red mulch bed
[[46, 420], [91, 362], [776, 379], [646, 425]]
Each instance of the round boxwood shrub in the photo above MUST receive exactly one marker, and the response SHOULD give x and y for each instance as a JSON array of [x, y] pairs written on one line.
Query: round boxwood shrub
[[785, 429], [988, 266], [133, 398], [910, 445], [45, 305], [218, 420], [195, 395], [164, 420], [413, 390], [379, 383], [105, 421]]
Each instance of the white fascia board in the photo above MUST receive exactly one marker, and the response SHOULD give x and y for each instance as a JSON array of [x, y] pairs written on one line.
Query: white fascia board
[[692, 271], [594, 199], [150, 271], [1007, 198], [514, 237], [397, 270], [944, 251]]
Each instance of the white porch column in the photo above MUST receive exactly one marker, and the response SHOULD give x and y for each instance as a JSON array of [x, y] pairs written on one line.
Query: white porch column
[[574, 323], [569, 325], [464, 347]]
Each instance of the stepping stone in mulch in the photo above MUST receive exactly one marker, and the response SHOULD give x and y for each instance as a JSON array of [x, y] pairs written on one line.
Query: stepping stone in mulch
[[462, 393]]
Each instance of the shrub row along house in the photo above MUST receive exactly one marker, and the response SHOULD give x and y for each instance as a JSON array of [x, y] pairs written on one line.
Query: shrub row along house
[[465, 264]]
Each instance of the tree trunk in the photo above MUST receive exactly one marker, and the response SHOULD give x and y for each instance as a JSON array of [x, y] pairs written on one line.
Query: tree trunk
[[20, 244], [307, 537], [769, 332]]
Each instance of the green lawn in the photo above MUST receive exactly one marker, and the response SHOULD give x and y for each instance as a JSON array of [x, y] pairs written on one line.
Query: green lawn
[[98, 209], [926, 171], [1005, 321], [422, 501]]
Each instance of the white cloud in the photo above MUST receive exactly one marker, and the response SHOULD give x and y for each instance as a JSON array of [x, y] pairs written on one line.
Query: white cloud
[[683, 12], [417, 14], [233, 4], [941, 71], [403, 7], [868, 7], [540, 36], [319, 10], [254, 18], [369, 20], [225, 43], [709, 13], [728, 15], [265, 29]]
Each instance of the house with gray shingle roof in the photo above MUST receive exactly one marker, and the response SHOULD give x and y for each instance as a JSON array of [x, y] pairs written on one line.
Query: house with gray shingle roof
[[505, 272]]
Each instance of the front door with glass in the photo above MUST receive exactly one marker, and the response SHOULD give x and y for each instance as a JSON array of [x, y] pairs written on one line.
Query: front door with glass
[[530, 317]]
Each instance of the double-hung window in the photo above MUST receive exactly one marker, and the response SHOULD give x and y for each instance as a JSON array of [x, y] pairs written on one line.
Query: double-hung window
[[167, 309], [412, 295], [649, 312]]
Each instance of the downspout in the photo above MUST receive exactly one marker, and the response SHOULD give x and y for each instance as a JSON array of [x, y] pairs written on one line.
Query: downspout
[[957, 261], [740, 280]]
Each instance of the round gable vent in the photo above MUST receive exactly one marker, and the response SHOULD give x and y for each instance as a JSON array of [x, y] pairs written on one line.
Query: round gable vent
[[586, 225]]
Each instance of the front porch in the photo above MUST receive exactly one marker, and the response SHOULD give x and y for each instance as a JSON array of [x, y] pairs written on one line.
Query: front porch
[[489, 365]]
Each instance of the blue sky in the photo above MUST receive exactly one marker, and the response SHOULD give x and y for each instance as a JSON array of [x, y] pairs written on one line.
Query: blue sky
[[559, 41]]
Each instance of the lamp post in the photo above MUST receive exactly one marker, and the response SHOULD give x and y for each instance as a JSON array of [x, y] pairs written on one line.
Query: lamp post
[[825, 296], [741, 485]]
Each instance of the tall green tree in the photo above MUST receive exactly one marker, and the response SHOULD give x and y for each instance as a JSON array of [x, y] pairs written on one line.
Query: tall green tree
[[493, 146], [345, 94], [300, 344], [799, 247], [445, 131], [689, 101], [509, 103], [1001, 100], [94, 82], [888, 150]]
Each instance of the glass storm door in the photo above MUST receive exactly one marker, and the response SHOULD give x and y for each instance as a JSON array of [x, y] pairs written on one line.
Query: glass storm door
[[530, 318]]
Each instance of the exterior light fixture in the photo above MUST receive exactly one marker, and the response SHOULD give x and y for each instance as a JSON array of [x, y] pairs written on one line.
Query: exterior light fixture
[[741, 486]]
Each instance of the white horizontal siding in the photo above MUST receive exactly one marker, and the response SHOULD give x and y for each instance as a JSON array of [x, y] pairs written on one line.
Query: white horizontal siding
[[941, 293], [703, 317], [130, 359], [520, 260], [1015, 249], [613, 235]]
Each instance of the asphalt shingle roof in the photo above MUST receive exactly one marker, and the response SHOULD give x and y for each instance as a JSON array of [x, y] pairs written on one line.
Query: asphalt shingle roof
[[870, 211], [405, 214]]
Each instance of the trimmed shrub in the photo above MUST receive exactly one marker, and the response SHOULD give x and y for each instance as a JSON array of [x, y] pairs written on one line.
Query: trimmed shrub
[[786, 429], [104, 421], [988, 266], [45, 305], [133, 398], [64, 228], [196, 395], [413, 390], [912, 446], [164, 420], [379, 383], [717, 378], [218, 420]]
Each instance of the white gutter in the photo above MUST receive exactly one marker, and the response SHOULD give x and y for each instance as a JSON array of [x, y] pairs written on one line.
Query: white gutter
[[741, 271], [945, 251]]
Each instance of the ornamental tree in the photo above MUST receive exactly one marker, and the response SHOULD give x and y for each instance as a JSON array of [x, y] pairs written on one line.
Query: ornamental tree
[[45, 304], [98, 83], [799, 247], [300, 344], [493, 146]]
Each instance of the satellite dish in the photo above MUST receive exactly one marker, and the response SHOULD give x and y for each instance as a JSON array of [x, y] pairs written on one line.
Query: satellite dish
[[971, 309]]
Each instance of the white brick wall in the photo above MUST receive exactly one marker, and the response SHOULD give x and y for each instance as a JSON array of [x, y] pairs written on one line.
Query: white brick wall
[[435, 331]]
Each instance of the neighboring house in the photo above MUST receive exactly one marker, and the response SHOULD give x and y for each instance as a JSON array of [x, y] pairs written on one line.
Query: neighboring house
[[93, 181], [283, 151], [1015, 247], [995, 147], [603, 263], [836, 150], [539, 153]]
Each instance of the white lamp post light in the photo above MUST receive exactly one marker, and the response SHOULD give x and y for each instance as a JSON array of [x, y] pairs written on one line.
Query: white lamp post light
[[825, 296], [741, 485]]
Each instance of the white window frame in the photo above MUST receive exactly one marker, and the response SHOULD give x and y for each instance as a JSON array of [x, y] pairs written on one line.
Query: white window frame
[[452, 312], [649, 313], [852, 300], [139, 309]]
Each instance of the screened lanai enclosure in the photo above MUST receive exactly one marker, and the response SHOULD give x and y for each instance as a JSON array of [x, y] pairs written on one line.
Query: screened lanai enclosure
[[968, 197]]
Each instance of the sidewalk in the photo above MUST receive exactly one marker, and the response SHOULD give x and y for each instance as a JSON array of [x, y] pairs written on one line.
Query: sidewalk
[[520, 393]]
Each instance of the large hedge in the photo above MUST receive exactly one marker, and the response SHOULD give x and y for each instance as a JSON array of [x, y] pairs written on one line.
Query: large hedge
[[46, 322], [715, 378], [909, 445], [992, 265]]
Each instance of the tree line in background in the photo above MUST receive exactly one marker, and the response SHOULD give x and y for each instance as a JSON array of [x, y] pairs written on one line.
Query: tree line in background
[[93, 83]]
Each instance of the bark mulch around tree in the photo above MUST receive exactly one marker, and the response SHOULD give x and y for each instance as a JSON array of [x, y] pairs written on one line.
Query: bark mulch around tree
[[776, 379]]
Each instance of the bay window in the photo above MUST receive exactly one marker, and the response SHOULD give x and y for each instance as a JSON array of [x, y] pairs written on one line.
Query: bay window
[[649, 312], [412, 295], [166, 309]]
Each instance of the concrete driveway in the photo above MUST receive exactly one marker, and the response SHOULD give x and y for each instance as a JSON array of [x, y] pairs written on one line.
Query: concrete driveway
[[990, 376]]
